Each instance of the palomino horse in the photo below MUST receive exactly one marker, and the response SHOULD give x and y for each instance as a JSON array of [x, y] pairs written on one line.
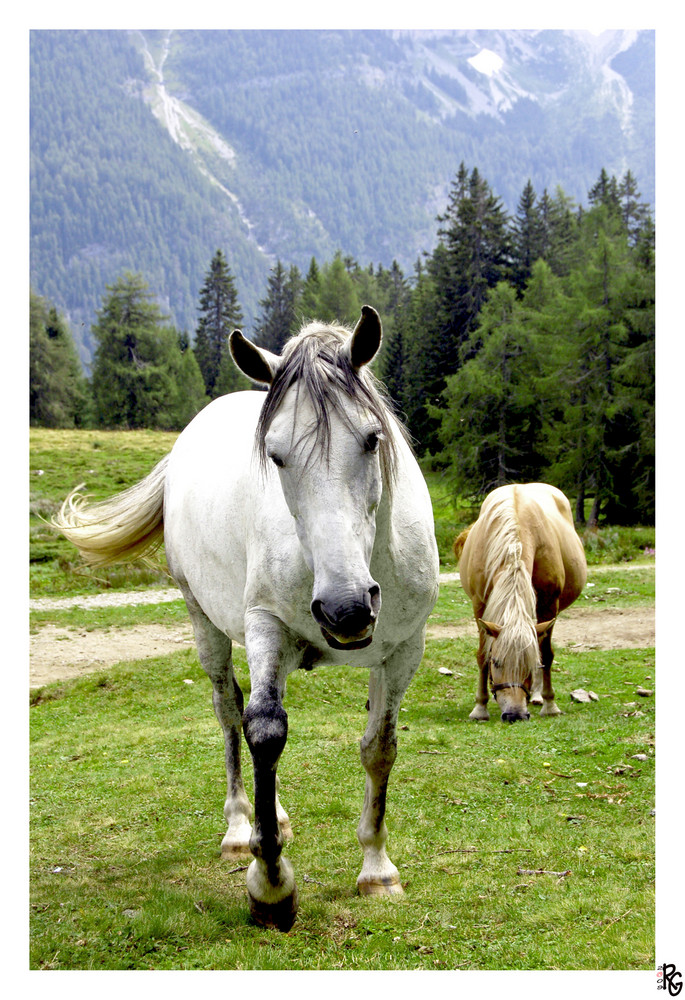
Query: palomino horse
[[286, 515], [521, 563]]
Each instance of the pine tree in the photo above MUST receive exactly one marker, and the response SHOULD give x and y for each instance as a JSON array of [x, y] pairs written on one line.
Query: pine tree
[[132, 376], [279, 308], [189, 395], [220, 314], [477, 240], [634, 213], [605, 192], [559, 231], [338, 301], [58, 395], [491, 420], [311, 290], [528, 237]]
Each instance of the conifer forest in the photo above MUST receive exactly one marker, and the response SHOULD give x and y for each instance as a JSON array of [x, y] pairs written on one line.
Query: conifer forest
[[520, 349]]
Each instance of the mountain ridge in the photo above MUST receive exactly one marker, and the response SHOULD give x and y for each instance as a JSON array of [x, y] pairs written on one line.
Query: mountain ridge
[[294, 144]]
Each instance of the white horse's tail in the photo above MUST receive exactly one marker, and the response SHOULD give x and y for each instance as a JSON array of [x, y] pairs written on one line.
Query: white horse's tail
[[126, 527]]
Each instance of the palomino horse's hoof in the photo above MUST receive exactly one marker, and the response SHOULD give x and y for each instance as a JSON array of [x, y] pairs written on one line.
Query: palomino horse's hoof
[[390, 885], [280, 915]]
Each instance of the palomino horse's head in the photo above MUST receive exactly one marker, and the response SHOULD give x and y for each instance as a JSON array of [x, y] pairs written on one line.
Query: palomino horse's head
[[327, 429], [512, 655]]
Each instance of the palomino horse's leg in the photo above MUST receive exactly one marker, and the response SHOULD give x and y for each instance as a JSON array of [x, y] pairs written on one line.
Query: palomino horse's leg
[[549, 706], [480, 713], [387, 684], [536, 688], [214, 650], [270, 880]]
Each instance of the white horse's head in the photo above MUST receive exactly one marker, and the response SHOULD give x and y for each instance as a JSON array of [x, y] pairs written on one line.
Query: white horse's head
[[327, 429]]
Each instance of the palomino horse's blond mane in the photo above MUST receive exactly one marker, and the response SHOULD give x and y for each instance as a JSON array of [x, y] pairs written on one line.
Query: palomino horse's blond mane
[[511, 601]]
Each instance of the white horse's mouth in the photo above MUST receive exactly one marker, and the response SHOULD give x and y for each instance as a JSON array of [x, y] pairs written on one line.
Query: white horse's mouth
[[339, 642]]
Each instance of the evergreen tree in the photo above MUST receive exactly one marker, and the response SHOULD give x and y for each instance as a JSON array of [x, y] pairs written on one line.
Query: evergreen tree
[[605, 192], [58, 395], [278, 319], [220, 314], [427, 352], [311, 290], [634, 213], [591, 312], [559, 231], [475, 232], [491, 415], [189, 395], [132, 376], [528, 237], [337, 298]]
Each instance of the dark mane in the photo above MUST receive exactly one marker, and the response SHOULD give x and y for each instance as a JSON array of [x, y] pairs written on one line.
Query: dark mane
[[316, 361]]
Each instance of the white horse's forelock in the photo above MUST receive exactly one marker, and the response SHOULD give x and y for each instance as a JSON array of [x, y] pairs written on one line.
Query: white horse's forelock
[[316, 360]]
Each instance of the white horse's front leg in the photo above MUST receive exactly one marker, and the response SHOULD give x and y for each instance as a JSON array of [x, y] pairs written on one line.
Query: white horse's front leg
[[387, 685], [270, 880]]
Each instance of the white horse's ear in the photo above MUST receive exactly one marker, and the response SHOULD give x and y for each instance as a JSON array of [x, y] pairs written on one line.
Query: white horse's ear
[[257, 363], [489, 628], [366, 339]]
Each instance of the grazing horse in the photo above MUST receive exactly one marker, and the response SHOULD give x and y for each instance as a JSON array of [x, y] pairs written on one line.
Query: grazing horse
[[521, 563], [287, 516]]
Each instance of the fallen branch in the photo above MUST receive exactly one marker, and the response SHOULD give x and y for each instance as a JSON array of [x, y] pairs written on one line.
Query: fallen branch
[[616, 920], [542, 871], [475, 850]]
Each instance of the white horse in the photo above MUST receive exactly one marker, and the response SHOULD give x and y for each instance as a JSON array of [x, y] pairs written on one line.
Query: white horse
[[286, 516]]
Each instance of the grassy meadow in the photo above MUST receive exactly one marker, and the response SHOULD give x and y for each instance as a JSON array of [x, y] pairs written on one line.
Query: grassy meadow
[[519, 847]]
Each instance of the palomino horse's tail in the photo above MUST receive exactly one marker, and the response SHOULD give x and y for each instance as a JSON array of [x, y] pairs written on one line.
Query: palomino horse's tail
[[123, 528], [459, 542]]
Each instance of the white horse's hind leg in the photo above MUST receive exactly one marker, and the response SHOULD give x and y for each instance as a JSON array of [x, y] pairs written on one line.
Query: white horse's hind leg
[[214, 650], [387, 685]]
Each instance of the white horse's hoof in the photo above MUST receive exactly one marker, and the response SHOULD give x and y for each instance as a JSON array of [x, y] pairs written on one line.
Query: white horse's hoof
[[280, 915], [272, 905], [236, 843], [550, 708], [285, 828], [380, 885], [234, 849], [536, 699], [480, 714]]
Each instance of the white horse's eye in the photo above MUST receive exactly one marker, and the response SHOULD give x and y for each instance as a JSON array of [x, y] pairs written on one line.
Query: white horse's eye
[[277, 460], [371, 443]]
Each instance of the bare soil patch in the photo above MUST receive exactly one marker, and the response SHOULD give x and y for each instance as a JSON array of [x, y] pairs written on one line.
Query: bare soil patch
[[58, 654]]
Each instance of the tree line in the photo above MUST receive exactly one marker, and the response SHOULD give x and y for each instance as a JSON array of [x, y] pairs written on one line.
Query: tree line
[[521, 348]]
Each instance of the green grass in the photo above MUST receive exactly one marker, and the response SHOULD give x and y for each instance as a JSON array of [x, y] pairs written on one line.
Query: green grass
[[617, 588], [126, 801], [604, 545], [109, 461], [106, 462], [127, 787]]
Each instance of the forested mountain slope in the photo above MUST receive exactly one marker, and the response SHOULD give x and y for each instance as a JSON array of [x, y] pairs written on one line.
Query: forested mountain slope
[[150, 150]]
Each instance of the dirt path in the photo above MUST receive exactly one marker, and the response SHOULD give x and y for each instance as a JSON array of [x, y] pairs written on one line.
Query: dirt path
[[62, 654]]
